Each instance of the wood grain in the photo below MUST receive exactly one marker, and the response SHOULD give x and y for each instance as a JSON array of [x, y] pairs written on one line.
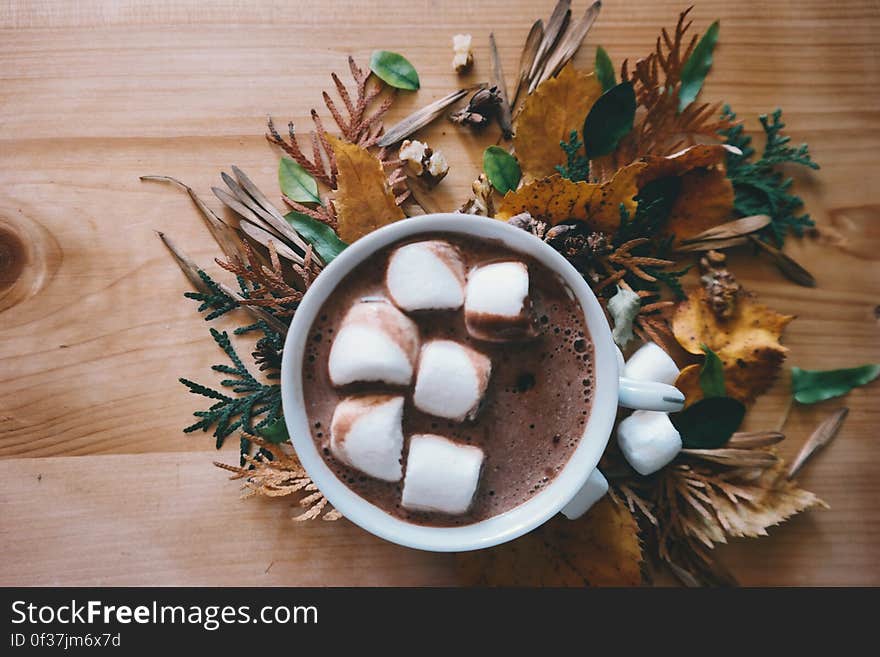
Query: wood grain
[[92, 341]]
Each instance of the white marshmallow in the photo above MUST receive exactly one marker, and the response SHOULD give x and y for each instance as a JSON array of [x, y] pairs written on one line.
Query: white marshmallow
[[366, 433], [651, 363], [496, 303], [592, 491], [441, 475], [426, 276], [451, 380], [648, 440], [376, 342]]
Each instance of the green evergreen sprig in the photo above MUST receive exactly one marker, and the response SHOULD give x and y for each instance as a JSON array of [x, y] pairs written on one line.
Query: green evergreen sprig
[[759, 186], [254, 399], [577, 167], [214, 298]]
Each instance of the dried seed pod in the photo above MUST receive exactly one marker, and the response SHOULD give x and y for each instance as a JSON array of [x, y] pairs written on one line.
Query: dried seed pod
[[482, 106]]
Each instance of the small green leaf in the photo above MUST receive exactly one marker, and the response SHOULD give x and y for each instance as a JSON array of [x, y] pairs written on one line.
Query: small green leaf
[[610, 119], [712, 375], [394, 69], [275, 432], [604, 69], [811, 386], [322, 238], [695, 69], [501, 168], [296, 183], [710, 422]]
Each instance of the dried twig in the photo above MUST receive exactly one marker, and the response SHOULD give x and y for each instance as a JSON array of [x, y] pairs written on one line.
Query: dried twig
[[422, 117], [191, 269], [225, 236], [504, 112]]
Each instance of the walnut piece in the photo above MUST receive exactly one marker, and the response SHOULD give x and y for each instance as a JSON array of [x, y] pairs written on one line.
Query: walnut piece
[[422, 162], [463, 58]]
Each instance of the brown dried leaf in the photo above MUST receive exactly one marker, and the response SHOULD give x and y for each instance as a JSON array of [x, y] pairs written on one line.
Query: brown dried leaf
[[786, 264], [600, 549], [821, 436], [732, 229], [705, 198], [747, 343], [363, 200], [558, 106], [556, 199]]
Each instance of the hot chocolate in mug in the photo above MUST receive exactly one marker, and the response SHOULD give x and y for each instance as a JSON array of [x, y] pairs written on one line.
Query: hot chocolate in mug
[[574, 489]]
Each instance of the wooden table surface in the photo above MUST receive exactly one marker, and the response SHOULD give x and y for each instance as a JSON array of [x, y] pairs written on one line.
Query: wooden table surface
[[97, 483]]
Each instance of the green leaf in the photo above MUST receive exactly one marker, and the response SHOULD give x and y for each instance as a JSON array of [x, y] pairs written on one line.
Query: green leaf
[[501, 168], [322, 238], [296, 183], [811, 386], [610, 119], [276, 432], [710, 422], [394, 69], [712, 375], [695, 69], [604, 69]]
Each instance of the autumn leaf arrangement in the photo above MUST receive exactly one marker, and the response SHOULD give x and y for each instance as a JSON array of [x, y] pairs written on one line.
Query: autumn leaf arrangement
[[631, 176]]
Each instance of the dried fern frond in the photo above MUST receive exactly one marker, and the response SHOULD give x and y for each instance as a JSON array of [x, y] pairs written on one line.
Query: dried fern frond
[[278, 476], [358, 118], [267, 285], [663, 129], [706, 497]]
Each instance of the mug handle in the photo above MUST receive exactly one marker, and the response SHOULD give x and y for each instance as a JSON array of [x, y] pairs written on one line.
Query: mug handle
[[643, 395], [649, 396]]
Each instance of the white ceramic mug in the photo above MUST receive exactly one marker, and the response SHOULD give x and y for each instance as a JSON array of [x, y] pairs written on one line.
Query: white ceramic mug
[[569, 492]]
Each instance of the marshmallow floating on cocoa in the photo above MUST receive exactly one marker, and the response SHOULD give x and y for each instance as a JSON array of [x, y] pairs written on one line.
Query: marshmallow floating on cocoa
[[648, 440], [426, 275], [366, 433], [651, 363], [451, 380], [497, 307], [441, 475], [376, 343]]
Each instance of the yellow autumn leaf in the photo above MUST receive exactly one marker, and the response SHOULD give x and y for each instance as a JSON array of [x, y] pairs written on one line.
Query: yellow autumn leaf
[[556, 199], [558, 106], [747, 344], [363, 200], [600, 549]]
